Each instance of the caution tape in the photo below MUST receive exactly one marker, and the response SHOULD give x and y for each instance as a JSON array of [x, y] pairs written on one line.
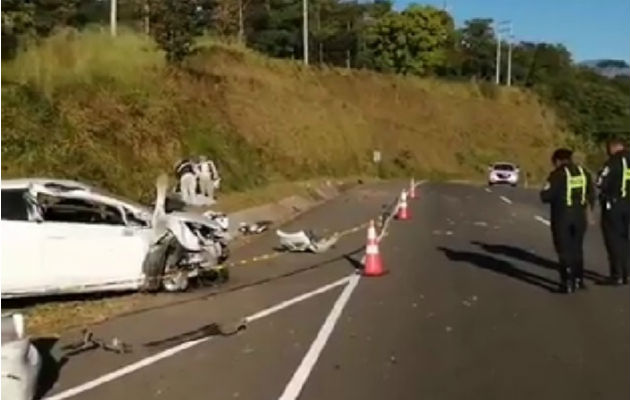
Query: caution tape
[[276, 254], [383, 218], [340, 234]]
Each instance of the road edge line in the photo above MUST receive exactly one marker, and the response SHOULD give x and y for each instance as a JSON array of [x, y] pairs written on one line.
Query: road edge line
[[145, 362], [301, 374]]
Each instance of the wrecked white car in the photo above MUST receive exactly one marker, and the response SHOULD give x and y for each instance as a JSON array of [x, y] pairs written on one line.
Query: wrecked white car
[[67, 237]]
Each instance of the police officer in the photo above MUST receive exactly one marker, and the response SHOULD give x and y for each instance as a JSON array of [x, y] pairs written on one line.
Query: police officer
[[569, 190], [614, 185]]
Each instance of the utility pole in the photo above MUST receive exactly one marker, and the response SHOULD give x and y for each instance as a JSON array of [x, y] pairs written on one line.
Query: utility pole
[[241, 23], [147, 16], [510, 45], [502, 27], [113, 16], [497, 68], [348, 53], [509, 82], [305, 30]]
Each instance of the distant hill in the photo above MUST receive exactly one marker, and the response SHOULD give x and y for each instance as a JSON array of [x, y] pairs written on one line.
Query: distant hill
[[608, 68], [114, 108]]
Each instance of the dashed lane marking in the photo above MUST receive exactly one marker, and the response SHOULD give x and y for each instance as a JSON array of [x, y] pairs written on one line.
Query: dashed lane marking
[[506, 200], [542, 220]]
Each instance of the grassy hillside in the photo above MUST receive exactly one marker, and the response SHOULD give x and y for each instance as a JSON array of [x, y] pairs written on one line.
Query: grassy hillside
[[85, 106]]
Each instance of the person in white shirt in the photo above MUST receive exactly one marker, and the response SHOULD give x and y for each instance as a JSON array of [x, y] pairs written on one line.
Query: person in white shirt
[[206, 171], [186, 174]]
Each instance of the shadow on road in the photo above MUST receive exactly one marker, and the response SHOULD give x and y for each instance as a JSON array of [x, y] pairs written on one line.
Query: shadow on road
[[529, 257], [51, 366], [499, 266]]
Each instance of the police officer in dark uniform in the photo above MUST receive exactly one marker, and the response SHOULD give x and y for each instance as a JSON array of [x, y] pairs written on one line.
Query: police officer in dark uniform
[[569, 190], [614, 185]]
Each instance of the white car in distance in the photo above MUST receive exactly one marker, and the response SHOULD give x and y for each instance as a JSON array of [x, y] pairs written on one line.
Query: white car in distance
[[503, 173]]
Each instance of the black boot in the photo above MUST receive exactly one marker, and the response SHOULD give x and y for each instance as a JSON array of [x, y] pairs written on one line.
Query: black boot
[[579, 283], [613, 281]]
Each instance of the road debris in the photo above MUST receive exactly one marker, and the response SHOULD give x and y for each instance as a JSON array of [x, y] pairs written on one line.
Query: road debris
[[481, 223], [89, 342], [254, 228], [21, 361], [305, 241]]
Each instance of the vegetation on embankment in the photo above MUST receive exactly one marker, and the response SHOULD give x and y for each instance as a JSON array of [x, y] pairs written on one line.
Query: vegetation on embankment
[[109, 111]]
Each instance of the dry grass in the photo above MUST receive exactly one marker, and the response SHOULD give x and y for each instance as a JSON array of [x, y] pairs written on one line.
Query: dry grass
[[87, 107], [54, 318]]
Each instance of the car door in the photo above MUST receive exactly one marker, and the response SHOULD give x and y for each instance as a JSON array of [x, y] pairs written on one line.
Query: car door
[[88, 246], [20, 247]]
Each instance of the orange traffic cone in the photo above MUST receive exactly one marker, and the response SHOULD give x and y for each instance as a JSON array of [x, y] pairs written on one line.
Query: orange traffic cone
[[373, 261], [412, 189], [403, 211]]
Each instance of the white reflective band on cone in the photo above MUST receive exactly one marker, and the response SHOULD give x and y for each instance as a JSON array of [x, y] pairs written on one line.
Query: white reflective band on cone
[[371, 249]]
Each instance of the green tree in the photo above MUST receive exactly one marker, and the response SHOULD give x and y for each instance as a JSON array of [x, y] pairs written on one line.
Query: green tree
[[17, 23], [477, 43], [174, 25], [411, 42]]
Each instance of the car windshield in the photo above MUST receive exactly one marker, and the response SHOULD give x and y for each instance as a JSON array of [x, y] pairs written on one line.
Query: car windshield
[[503, 167]]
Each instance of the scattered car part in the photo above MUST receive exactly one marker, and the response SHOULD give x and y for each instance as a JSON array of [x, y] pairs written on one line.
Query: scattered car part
[[88, 342], [21, 362], [255, 228], [304, 241]]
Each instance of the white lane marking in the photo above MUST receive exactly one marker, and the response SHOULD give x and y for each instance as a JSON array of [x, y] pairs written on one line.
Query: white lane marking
[[302, 297], [506, 200], [542, 220], [126, 370], [295, 385], [488, 190], [187, 345]]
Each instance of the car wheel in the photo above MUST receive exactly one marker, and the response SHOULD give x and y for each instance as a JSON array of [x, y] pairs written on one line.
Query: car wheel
[[217, 275], [176, 282], [174, 279]]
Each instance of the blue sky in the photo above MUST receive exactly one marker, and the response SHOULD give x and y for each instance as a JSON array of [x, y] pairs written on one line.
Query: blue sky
[[590, 29]]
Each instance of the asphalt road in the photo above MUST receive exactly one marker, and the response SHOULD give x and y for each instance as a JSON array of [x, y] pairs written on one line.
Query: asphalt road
[[469, 310]]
